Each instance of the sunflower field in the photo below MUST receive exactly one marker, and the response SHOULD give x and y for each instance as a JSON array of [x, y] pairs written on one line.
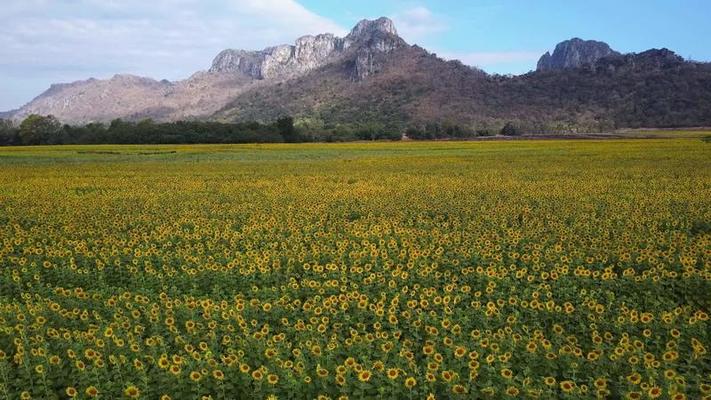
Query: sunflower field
[[523, 269]]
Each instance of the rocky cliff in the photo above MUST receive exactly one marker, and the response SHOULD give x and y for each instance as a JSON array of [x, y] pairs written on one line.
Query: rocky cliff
[[367, 39], [574, 53], [231, 73]]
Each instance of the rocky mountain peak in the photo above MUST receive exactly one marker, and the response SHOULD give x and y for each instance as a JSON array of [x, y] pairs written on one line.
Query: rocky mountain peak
[[367, 28], [574, 53], [372, 40], [309, 52]]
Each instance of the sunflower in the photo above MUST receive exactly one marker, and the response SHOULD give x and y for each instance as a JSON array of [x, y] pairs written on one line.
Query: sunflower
[[459, 389], [512, 391], [447, 376], [567, 386], [92, 391], [410, 382], [71, 391], [635, 378], [340, 380], [195, 376], [321, 372], [654, 392], [459, 352], [364, 376], [272, 379], [132, 392], [600, 383], [393, 373]]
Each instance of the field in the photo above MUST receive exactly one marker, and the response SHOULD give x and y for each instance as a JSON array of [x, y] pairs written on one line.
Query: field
[[517, 269]]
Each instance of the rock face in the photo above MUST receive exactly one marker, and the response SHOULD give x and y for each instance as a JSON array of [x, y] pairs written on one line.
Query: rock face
[[650, 60], [372, 40], [364, 49], [574, 53], [280, 62], [312, 52]]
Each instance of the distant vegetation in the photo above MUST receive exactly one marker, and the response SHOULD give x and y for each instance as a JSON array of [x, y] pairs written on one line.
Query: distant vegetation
[[47, 130]]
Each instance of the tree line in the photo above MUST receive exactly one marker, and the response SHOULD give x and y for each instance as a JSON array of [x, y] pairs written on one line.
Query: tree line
[[47, 130]]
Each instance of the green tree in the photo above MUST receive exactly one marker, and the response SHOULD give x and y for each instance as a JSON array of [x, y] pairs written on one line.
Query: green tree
[[510, 130], [285, 126], [37, 129], [8, 133]]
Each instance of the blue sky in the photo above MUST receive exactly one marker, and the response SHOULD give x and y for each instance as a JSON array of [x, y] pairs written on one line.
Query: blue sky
[[502, 32], [49, 41]]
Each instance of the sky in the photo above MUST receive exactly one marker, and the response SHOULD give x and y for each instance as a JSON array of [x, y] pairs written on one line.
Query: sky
[[53, 41]]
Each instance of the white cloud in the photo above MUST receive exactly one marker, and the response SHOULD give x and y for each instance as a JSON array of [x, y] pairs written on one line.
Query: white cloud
[[46, 41], [418, 23]]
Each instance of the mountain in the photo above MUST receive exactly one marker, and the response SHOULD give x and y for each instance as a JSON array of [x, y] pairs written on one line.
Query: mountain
[[311, 52], [203, 94], [133, 97], [373, 79], [574, 53], [415, 88], [655, 88]]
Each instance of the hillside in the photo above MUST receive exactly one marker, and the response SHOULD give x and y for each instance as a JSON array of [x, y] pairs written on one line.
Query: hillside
[[650, 89], [373, 78], [206, 92]]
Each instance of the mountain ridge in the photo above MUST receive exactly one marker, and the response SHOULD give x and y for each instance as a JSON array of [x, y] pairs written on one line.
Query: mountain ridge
[[373, 76], [205, 92], [574, 53]]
